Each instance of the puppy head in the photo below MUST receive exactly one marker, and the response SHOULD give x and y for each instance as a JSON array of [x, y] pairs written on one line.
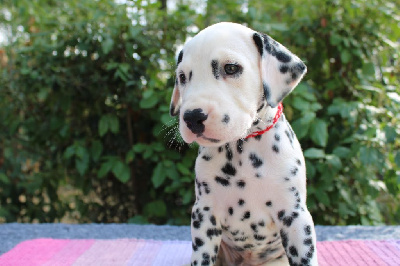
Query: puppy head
[[224, 76]]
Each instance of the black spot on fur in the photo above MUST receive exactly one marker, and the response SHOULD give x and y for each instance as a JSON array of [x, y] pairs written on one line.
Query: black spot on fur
[[246, 215], [259, 237], [248, 246], [254, 227], [307, 241], [234, 233], [180, 56], [283, 69], [258, 110], [226, 119], [277, 137], [241, 202], [239, 145], [241, 183], [261, 223], [289, 136], [307, 230], [206, 259], [284, 237], [255, 160], [212, 220], [197, 219], [206, 187], [229, 154], [275, 148], [198, 242], [293, 251], [213, 232], [294, 171], [206, 157], [190, 75], [224, 182], [206, 208], [229, 169], [267, 91], [287, 220], [215, 68], [294, 76], [283, 57], [268, 203], [258, 137], [230, 211], [300, 67], [310, 252], [259, 43]]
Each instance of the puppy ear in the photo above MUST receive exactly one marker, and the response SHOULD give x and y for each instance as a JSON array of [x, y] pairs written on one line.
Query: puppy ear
[[281, 70], [176, 96], [175, 101]]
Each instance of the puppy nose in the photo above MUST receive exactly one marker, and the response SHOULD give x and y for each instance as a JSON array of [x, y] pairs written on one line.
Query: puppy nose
[[194, 120]]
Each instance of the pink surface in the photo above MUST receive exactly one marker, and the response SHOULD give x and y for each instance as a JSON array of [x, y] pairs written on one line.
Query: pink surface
[[60, 252]]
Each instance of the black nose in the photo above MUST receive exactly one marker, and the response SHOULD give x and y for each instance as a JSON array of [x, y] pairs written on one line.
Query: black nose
[[194, 120]]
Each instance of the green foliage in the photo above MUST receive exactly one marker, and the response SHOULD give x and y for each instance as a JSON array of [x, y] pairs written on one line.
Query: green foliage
[[85, 134]]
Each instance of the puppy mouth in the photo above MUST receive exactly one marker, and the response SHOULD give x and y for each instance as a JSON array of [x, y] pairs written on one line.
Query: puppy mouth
[[208, 139]]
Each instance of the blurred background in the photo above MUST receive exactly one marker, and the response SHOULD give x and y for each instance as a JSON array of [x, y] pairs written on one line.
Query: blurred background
[[85, 86]]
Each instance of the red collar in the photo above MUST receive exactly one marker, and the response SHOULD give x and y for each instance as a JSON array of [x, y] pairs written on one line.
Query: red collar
[[276, 118]]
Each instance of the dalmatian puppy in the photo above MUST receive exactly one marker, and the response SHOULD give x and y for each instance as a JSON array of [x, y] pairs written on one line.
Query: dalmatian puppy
[[250, 181]]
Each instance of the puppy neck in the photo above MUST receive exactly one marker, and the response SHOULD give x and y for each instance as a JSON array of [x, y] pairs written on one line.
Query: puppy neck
[[266, 117]]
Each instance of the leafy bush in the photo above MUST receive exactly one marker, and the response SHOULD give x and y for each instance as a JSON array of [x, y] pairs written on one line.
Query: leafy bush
[[85, 134]]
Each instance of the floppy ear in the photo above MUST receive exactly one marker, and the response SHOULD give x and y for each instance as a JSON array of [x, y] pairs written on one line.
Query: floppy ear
[[280, 70], [176, 99]]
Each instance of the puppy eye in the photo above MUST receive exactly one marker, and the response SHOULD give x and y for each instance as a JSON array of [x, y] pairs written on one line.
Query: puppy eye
[[182, 78], [231, 69]]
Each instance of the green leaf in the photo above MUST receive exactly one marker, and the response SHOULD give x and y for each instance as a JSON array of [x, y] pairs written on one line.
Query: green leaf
[[345, 56], [155, 209], [130, 156], [104, 169], [300, 104], [187, 196], [335, 39], [323, 197], [183, 169], [103, 125], [314, 153], [113, 123], [342, 152], [150, 102], [138, 219], [334, 161], [368, 155], [107, 45], [397, 159], [319, 132], [69, 152], [82, 165], [121, 171], [302, 125], [96, 150], [368, 69], [158, 176], [4, 179]]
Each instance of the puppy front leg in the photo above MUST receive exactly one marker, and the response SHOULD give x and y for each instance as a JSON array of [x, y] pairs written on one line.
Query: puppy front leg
[[298, 237], [206, 235]]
